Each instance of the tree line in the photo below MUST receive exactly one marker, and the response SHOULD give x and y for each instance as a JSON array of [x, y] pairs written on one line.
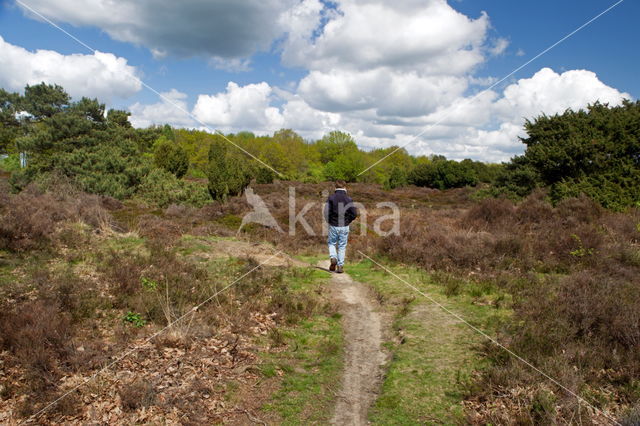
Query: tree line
[[594, 151]]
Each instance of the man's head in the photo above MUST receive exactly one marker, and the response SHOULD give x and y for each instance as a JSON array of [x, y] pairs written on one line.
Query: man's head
[[340, 184]]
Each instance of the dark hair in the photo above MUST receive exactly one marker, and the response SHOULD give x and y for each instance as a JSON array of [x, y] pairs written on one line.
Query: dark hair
[[340, 184]]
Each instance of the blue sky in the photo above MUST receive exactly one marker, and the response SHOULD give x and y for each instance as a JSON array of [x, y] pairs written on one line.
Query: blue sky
[[383, 72]]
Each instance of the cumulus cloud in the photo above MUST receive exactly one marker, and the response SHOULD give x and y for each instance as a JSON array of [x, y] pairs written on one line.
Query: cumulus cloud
[[365, 34], [550, 93], [101, 75], [225, 29], [389, 92], [240, 107], [172, 108]]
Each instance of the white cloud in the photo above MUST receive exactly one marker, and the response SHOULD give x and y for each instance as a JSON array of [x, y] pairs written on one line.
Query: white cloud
[[499, 46], [225, 29], [240, 107], [550, 93], [429, 35], [388, 92], [101, 75], [172, 108]]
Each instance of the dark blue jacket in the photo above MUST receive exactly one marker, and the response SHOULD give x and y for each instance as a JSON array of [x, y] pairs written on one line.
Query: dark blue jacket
[[339, 210]]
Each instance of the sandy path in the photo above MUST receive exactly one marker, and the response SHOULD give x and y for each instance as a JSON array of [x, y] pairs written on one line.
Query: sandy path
[[364, 357]]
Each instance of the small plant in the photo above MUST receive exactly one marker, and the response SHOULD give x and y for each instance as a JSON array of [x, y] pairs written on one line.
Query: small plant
[[149, 284], [581, 251], [135, 319]]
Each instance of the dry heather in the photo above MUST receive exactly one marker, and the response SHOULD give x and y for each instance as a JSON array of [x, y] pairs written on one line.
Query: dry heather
[[75, 294]]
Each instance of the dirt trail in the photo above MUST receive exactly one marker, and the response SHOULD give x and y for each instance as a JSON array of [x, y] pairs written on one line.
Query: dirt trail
[[364, 357]]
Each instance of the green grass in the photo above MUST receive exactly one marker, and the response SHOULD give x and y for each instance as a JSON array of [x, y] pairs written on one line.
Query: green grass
[[430, 370], [309, 362]]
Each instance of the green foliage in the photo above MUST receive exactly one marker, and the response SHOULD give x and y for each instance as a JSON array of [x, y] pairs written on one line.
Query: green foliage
[[581, 251], [387, 161], [162, 189], [486, 173], [44, 100], [171, 157], [10, 163], [264, 175], [148, 284], [9, 124], [443, 174], [75, 140], [118, 118], [229, 173], [335, 145], [595, 152], [397, 177], [135, 319], [345, 167]]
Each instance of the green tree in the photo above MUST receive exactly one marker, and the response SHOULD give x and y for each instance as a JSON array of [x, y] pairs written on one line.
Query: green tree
[[228, 170], [334, 145], [44, 100], [78, 142], [443, 174], [594, 151], [397, 178], [171, 157], [10, 126]]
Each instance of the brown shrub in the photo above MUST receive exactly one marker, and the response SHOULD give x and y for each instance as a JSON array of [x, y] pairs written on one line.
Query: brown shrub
[[535, 209], [579, 210], [137, 394], [31, 218], [37, 333], [490, 213], [123, 271], [157, 228]]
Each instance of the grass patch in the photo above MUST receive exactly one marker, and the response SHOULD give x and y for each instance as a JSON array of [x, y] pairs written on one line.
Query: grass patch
[[434, 354], [308, 359]]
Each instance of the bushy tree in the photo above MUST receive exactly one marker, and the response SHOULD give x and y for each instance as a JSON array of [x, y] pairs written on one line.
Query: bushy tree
[[397, 177], [9, 124], [162, 188], [594, 151], [171, 157], [228, 172], [443, 174], [75, 140], [44, 100]]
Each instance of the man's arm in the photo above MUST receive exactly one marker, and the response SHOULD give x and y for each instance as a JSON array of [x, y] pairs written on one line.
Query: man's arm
[[352, 212], [325, 211]]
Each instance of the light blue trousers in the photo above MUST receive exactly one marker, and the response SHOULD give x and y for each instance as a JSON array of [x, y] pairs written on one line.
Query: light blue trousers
[[338, 236]]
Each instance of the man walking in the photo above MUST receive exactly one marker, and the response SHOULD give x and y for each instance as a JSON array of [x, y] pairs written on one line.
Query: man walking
[[339, 213]]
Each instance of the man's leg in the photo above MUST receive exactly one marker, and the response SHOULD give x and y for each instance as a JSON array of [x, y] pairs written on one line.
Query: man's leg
[[342, 244], [332, 240]]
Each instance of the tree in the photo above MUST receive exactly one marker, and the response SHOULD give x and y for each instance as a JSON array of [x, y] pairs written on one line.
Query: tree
[[77, 141], [171, 157], [9, 123], [397, 178], [443, 174], [594, 151], [118, 118], [44, 100], [335, 145], [228, 170]]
